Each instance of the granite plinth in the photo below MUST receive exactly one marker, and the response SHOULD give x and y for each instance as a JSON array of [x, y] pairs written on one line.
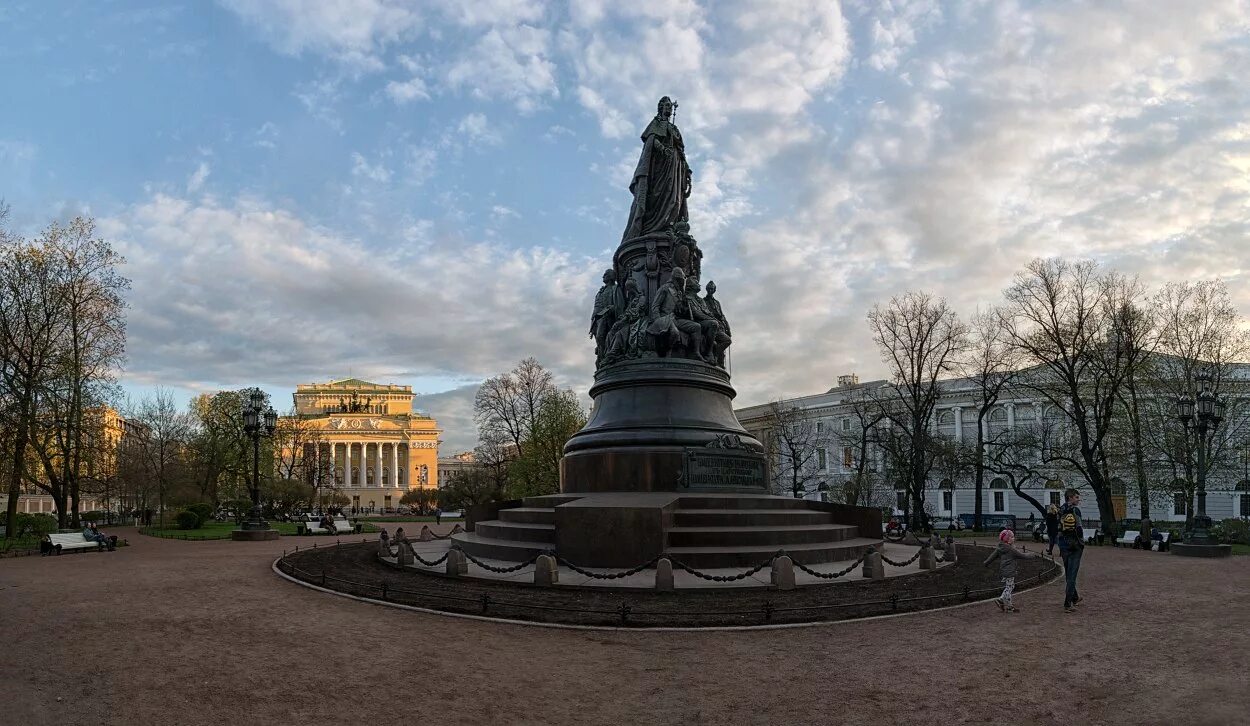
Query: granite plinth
[[663, 425], [1201, 550]]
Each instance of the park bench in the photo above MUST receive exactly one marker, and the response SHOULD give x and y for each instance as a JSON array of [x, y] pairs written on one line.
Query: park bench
[[342, 526], [71, 542], [1161, 545], [315, 528], [1128, 539]]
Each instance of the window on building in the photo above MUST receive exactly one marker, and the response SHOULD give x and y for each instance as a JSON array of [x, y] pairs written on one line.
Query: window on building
[[848, 456], [846, 424], [1244, 505], [900, 500], [820, 459], [1000, 502], [1054, 498], [386, 501], [1179, 501], [948, 501], [820, 427]]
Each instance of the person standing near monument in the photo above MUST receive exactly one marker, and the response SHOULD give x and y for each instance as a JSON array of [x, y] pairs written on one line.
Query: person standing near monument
[[1071, 546], [1007, 554]]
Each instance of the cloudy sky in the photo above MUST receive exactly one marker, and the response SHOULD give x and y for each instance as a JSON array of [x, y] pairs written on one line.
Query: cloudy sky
[[426, 192]]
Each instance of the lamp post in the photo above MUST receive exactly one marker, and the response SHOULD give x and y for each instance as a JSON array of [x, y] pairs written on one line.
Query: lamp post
[[1201, 418], [257, 421]]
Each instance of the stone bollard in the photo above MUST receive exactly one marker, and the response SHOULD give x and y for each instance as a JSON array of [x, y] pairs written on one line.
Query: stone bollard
[[873, 566], [456, 563], [426, 535], [928, 559], [455, 530], [405, 554], [950, 551], [937, 542], [664, 574], [783, 573], [546, 570], [384, 546]]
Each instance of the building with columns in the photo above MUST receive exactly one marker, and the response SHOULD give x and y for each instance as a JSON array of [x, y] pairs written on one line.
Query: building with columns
[[836, 417], [370, 444]]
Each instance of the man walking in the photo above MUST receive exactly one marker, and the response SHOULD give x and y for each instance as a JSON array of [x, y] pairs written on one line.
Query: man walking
[[1071, 546]]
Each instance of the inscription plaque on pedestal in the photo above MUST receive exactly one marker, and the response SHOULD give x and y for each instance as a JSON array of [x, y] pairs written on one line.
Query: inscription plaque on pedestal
[[723, 469]]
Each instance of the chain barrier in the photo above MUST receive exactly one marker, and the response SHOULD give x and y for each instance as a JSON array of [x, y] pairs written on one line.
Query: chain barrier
[[905, 562], [492, 568], [623, 611], [833, 575], [726, 578], [599, 575]]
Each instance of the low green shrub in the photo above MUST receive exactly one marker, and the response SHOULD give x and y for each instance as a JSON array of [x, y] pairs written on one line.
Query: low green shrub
[[203, 510], [92, 516], [34, 525], [187, 519], [1232, 531]]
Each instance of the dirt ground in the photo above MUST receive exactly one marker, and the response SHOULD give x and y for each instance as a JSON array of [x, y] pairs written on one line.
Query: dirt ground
[[171, 632]]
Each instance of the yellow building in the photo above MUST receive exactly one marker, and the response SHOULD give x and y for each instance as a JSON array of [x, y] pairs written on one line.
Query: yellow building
[[106, 431], [377, 447]]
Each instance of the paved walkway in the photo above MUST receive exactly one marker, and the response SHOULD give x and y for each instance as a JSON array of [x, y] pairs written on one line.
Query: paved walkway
[[171, 632]]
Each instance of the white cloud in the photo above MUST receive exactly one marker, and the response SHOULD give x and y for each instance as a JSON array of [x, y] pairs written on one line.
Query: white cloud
[[477, 129], [375, 172], [196, 181], [403, 92], [353, 32], [510, 63]]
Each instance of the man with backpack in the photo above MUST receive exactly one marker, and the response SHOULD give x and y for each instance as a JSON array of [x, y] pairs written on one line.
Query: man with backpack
[[1071, 546]]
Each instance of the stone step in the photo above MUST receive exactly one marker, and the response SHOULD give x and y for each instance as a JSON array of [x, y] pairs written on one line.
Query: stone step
[[550, 500], [811, 553], [775, 536], [499, 549], [517, 531], [528, 515], [739, 501], [748, 517]]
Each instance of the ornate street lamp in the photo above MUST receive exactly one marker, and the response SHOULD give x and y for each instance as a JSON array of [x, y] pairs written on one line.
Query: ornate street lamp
[[1200, 418], [257, 421]]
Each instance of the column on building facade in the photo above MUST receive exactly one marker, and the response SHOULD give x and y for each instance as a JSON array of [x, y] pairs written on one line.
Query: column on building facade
[[959, 423], [1011, 416], [364, 461], [394, 464], [377, 463], [347, 463]]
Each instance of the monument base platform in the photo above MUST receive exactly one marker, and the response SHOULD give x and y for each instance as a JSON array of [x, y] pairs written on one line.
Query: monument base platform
[[1201, 550], [253, 535], [699, 529]]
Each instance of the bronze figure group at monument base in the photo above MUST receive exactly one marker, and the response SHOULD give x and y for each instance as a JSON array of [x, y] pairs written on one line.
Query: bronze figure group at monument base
[[649, 305]]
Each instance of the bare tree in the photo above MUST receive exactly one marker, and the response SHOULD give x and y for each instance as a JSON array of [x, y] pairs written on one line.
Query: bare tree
[[799, 450], [990, 364], [506, 406], [32, 322], [920, 339], [866, 414], [162, 449], [1066, 319], [1139, 334], [1200, 332]]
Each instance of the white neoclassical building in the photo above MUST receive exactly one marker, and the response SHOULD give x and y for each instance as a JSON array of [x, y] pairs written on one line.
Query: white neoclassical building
[[836, 419]]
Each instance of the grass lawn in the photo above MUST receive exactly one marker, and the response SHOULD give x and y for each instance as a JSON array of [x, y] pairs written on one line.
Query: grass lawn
[[19, 543], [1240, 549], [222, 530]]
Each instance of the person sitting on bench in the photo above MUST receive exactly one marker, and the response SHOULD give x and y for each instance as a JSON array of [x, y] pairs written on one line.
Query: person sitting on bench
[[91, 534]]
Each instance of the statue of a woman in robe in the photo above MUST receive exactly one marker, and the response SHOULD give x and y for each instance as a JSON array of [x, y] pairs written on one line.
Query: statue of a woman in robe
[[661, 181]]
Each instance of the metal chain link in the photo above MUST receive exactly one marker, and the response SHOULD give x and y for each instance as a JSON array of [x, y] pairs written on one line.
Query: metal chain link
[[833, 575], [726, 578], [492, 568], [601, 576], [904, 563]]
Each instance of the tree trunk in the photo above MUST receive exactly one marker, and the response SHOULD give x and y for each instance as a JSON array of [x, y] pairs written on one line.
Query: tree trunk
[[979, 459], [16, 474], [1139, 457]]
